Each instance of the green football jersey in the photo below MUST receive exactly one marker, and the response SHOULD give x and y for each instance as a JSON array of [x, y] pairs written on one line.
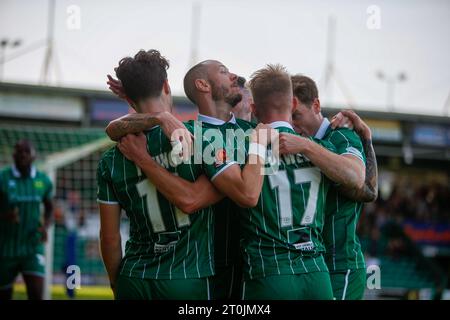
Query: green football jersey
[[164, 242], [25, 194], [221, 142], [343, 249], [282, 234]]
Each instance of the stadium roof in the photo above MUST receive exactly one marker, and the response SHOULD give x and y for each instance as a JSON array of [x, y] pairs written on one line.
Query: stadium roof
[[93, 93]]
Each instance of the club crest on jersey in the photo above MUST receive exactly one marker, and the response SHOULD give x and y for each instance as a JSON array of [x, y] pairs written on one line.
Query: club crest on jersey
[[39, 184], [221, 157]]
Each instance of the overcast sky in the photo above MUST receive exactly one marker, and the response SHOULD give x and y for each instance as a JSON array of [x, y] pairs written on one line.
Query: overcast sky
[[245, 35]]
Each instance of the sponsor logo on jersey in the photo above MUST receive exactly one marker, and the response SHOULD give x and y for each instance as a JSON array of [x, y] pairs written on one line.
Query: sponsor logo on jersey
[[35, 198], [305, 246], [167, 242], [300, 238], [164, 248]]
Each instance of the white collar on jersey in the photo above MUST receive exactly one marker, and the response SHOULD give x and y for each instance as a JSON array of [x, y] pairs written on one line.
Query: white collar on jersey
[[278, 124], [215, 121], [322, 129], [16, 173]]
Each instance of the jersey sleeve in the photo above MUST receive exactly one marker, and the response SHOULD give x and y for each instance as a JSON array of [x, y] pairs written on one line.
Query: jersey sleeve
[[326, 144], [347, 141], [105, 191]]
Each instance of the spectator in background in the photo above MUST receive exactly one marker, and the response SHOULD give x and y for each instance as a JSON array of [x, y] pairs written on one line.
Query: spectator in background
[[424, 204]]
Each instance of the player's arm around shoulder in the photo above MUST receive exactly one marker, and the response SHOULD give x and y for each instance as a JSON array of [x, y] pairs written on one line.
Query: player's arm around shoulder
[[173, 128], [325, 155], [369, 191], [244, 186], [188, 196], [349, 146]]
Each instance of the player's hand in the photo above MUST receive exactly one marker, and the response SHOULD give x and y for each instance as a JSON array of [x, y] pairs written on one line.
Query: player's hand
[[349, 119], [341, 121], [292, 144], [44, 234], [134, 147], [116, 87], [180, 137]]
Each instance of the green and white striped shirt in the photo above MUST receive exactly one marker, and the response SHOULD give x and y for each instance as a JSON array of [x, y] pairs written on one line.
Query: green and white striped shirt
[[343, 249], [26, 194], [164, 242], [282, 234], [227, 223]]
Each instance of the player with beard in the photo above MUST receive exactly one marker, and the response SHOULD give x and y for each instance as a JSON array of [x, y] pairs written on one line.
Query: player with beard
[[204, 85], [214, 89]]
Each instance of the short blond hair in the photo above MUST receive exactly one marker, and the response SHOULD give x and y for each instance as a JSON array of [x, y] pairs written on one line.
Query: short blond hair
[[271, 88]]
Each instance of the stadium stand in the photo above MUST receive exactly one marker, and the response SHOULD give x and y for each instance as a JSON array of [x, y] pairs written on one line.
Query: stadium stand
[[406, 232]]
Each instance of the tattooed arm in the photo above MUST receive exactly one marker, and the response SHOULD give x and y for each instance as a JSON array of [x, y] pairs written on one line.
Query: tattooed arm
[[173, 128], [369, 191], [345, 169], [133, 123], [188, 196]]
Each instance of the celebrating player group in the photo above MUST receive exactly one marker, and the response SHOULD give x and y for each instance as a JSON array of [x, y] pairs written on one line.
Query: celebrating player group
[[227, 208]]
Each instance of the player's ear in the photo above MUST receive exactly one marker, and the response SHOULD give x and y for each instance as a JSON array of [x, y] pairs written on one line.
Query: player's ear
[[253, 109], [316, 106], [166, 87], [294, 103], [202, 85]]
